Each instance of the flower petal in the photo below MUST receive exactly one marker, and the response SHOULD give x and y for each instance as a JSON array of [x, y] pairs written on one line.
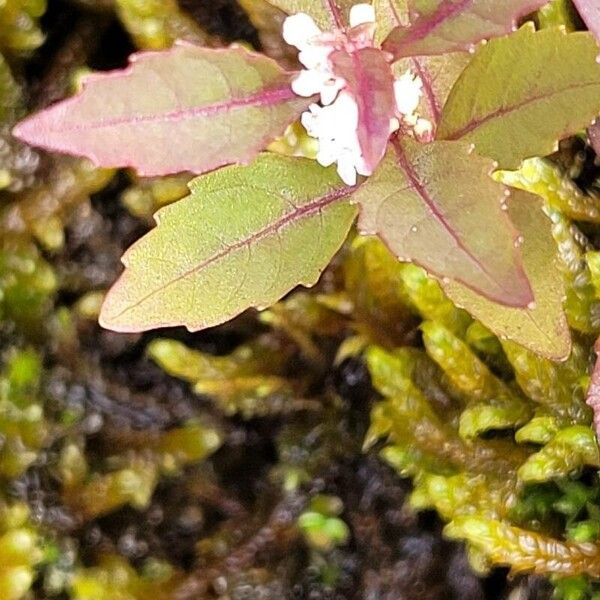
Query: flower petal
[[299, 29], [408, 91], [361, 14], [309, 82]]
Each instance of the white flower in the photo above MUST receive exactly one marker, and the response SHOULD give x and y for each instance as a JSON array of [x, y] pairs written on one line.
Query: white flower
[[336, 128], [299, 30], [408, 89], [361, 14], [335, 121], [310, 83]]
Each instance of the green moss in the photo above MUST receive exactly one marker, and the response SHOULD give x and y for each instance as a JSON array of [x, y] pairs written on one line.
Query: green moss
[[156, 24], [19, 25], [519, 497], [20, 551]]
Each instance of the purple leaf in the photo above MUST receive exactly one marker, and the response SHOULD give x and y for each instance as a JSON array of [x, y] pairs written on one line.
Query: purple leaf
[[369, 79], [589, 11], [185, 109], [594, 135], [440, 26], [593, 393], [436, 205]]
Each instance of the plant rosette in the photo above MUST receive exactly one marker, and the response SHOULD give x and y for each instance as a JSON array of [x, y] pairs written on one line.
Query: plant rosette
[[422, 100]]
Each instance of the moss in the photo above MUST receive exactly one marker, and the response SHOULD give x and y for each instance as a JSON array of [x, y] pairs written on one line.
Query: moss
[[542, 436], [20, 32], [156, 24]]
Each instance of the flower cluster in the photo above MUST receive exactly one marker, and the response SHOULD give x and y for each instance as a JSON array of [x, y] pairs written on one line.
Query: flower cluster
[[335, 121]]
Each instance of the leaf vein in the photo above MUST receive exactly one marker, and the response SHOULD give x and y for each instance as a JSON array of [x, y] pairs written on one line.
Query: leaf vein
[[302, 212]]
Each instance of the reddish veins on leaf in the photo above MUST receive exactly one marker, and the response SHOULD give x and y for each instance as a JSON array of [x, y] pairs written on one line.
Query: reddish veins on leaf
[[429, 204], [593, 394], [217, 106], [439, 26], [369, 79]]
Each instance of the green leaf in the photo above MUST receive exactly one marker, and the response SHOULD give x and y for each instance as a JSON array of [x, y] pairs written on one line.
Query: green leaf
[[462, 494], [522, 93], [540, 430], [328, 14], [428, 299], [541, 327], [373, 284], [243, 238], [555, 385], [430, 203], [389, 14], [543, 177], [10, 93], [582, 307]]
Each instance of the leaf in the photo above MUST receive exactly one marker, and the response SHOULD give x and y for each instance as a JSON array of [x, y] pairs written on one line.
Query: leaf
[[522, 93], [555, 386], [388, 15], [428, 299], [216, 106], [438, 74], [430, 204], [463, 494], [440, 26], [544, 178], [593, 393], [594, 135], [243, 238], [328, 14], [542, 327], [589, 10], [540, 430], [581, 305], [10, 94], [421, 439], [373, 287], [369, 79]]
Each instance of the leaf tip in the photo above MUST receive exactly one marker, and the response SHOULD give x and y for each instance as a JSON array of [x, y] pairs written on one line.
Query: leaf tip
[[40, 129], [113, 310], [25, 131]]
